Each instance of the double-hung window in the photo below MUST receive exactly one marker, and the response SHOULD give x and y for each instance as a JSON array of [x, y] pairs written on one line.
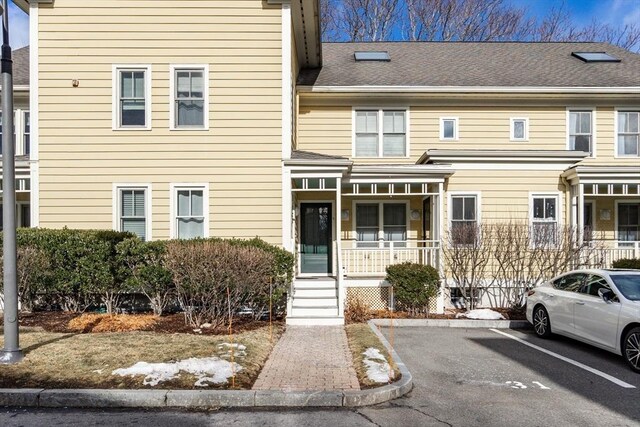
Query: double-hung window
[[133, 211], [189, 103], [190, 212], [371, 218], [544, 219], [380, 133], [464, 219], [26, 120], [629, 133], [132, 98], [628, 223], [581, 130]]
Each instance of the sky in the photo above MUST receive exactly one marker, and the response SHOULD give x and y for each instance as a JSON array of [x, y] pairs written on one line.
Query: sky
[[614, 12]]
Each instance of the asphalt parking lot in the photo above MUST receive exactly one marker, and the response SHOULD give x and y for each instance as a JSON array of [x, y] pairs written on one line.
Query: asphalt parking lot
[[489, 377]]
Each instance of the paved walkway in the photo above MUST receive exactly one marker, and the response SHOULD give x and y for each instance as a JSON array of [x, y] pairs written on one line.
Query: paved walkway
[[309, 358]]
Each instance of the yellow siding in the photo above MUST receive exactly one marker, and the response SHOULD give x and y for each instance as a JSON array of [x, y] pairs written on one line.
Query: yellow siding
[[239, 156], [326, 127]]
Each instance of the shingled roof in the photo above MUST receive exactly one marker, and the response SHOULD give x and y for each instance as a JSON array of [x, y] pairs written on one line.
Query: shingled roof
[[491, 64], [21, 66]]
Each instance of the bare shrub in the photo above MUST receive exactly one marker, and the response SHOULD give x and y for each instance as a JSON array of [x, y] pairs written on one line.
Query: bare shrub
[[357, 310], [467, 258], [214, 278]]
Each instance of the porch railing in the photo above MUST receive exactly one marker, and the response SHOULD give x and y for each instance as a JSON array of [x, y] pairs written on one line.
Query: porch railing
[[367, 261], [606, 252]]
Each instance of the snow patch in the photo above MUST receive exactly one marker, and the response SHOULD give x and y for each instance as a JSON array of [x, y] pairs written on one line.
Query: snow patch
[[208, 370], [482, 314], [378, 370]]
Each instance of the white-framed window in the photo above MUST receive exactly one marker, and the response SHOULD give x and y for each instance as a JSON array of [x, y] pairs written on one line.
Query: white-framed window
[[544, 219], [627, 222], [464, 214], [189, 97], [381, 132], [448, 128], [26, 133], [132, 97], [132, 209], [189, 211], [519, 129], [378, 223], [628, 133], [21, 132], [580, 130]]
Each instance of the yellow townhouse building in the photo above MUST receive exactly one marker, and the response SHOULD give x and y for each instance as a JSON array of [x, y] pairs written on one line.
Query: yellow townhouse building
[[229, 118]]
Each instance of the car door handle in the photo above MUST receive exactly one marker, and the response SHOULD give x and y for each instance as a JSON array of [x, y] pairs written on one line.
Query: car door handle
[[580, 303]]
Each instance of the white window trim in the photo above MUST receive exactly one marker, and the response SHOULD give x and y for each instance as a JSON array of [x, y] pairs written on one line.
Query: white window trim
[[616, 110], [381, 241], [147, 204], [456, 130], [615, 230], [172, 96], [512, 121], [173, 229], [593, 127], [451, 194], [380, 111], [546, 194], [115, 94]]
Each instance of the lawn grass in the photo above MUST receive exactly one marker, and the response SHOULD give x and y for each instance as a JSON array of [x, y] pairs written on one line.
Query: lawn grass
[[74, 360], [361, 337]]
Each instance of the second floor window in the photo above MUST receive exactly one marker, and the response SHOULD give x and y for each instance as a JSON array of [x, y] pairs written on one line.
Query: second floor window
[[580, 131], [628, 133], [380, 133], [190, 97], [133, 99]]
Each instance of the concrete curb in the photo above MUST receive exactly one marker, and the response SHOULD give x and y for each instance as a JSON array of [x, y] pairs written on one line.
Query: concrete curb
[[453, 323], [206, 399]]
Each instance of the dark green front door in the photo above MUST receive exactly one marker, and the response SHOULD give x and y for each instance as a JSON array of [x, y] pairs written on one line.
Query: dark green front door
[[315, 238]]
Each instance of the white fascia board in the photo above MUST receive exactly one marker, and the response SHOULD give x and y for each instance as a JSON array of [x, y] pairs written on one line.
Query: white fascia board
[[24, 4], [469, 89]]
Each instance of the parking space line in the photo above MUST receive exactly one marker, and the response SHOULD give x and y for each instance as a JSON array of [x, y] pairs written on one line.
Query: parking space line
[[566, 359]]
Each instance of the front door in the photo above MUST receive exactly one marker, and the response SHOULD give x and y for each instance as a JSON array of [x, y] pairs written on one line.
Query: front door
[[316, 238]]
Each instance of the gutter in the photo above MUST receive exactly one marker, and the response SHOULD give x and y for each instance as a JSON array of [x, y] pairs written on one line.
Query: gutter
[[626, 90]]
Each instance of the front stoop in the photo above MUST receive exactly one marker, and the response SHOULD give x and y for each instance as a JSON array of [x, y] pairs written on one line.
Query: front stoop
[[315, 302]]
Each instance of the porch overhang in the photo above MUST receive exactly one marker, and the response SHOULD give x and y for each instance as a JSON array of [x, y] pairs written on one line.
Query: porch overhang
[[605, 180], [461, 157]]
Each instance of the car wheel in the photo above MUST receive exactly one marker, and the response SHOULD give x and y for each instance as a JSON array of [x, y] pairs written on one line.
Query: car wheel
[[631, 349], [541, 323]]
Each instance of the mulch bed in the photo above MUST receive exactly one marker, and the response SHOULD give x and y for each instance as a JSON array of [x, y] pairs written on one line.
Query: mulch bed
[[57, 321]]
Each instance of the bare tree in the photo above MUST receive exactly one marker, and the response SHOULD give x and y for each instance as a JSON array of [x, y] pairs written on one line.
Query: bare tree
[[367, 20], [329, 18], [465, 20]]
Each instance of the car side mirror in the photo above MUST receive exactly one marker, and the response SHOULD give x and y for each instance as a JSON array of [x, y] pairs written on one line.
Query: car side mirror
[[606, 294]]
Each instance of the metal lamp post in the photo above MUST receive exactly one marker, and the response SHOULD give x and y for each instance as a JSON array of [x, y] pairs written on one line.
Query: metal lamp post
[[11, 352]]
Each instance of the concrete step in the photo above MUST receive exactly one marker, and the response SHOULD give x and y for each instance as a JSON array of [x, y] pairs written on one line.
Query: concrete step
[[314, 311], [315, 292], [316, 321], [325, 283], [299, 301]]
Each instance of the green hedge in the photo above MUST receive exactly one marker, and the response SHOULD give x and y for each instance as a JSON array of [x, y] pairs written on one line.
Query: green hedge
[[633, 263], [414, 285]]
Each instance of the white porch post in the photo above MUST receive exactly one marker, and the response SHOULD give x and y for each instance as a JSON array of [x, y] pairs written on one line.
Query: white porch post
[[580, 214], [342, 291], [440, 228]]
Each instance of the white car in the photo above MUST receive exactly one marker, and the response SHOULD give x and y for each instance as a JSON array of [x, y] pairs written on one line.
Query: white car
[[598, 307]]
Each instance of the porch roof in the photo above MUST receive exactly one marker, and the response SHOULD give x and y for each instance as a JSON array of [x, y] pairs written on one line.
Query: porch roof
[[603, 174], [308, 158], [435, 156]]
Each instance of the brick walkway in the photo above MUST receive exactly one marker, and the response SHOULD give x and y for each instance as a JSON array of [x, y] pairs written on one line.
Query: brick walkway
[[310, 358]]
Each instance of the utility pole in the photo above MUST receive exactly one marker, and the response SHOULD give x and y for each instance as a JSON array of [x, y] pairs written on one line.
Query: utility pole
[[11, 353]]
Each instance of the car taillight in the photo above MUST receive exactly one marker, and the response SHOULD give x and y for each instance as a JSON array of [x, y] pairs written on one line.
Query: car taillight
[[531, 292]]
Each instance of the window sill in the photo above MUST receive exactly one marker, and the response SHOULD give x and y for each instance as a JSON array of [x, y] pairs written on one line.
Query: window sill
[[193, 129], [132, 129]]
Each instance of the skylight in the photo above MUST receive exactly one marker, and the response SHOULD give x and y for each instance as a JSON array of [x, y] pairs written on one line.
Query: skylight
[[595, 57], [382, 56]]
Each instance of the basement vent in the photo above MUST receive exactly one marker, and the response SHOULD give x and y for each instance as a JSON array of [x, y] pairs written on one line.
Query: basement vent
[[381, 56], [595, 57]]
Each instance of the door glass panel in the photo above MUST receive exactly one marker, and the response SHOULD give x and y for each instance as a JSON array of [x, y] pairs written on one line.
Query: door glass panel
[[316, 238]]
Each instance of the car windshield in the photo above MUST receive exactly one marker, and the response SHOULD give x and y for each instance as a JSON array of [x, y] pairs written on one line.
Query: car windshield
[[628, 285]]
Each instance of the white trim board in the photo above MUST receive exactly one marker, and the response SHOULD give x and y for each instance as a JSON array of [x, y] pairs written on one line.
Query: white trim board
[[34, 107]]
